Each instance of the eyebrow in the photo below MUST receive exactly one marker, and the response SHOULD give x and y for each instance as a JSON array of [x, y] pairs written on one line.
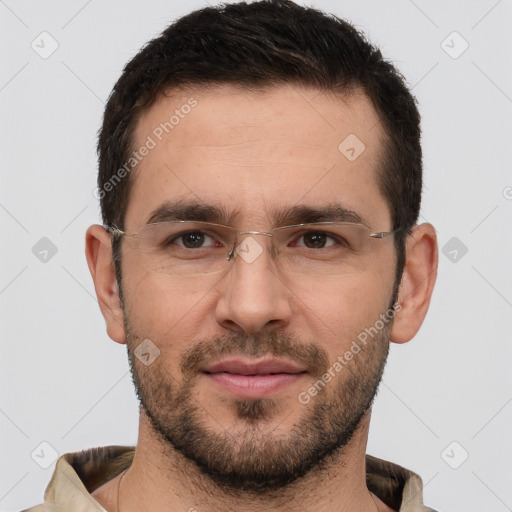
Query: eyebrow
[[304, 214], [282, 216], [181, 210]]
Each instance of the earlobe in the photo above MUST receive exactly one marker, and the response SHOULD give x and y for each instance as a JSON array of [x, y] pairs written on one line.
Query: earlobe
[[98, 251], [417, 283]]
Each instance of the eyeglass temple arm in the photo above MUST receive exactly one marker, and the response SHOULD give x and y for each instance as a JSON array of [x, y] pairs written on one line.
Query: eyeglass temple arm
[[382, 234], [115, 231]]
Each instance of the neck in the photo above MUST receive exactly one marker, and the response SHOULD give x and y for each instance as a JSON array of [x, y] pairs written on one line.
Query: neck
[[160, 478]]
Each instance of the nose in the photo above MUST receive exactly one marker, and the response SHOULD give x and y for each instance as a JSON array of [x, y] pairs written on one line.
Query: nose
[[253, 295]]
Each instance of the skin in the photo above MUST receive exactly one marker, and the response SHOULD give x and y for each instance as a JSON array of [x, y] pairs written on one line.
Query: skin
[[253, 152]]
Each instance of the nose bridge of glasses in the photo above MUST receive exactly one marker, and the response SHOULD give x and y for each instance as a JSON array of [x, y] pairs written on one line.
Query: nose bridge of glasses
[[240, 236], [247, 247], [264, 233]]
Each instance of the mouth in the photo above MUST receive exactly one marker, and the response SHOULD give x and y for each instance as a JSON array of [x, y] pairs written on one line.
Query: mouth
[[249, 378]]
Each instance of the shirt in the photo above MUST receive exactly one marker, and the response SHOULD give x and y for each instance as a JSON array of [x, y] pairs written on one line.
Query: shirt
[[76, 475]]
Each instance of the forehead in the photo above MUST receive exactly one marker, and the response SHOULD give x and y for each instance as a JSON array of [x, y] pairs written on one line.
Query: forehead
[[254, 153]]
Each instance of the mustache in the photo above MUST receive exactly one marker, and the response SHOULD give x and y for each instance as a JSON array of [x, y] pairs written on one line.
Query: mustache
[[271, 343]]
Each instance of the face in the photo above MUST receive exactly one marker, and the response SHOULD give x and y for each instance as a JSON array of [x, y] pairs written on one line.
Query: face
[[240, 353]]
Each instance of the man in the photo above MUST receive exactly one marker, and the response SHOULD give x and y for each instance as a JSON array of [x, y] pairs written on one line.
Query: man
[[260, 183]]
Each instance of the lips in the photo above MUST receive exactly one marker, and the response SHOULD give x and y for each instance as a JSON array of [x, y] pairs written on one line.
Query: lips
[[240, 366], [246, 378]]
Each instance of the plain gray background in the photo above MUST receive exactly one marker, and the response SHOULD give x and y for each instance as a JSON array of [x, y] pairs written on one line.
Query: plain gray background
[[445, 396]]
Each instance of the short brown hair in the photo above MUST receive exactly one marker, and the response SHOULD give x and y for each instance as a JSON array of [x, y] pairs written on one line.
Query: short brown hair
[[258, 45]]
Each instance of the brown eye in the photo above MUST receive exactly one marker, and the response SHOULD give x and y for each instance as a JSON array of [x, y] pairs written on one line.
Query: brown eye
[[193, 240], [315, 240]]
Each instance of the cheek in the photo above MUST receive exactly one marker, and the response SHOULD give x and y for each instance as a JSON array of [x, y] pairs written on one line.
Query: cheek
[[159, 309], [337, 313]]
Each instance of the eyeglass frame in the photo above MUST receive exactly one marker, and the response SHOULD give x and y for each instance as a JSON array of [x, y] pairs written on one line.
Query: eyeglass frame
[[116, 232]]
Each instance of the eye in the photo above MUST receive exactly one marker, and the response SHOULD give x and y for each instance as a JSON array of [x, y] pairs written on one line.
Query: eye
[[193, 240], [315, 240]]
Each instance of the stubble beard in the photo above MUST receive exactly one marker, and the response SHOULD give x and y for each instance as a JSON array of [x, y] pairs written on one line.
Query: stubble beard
[[253, 457]]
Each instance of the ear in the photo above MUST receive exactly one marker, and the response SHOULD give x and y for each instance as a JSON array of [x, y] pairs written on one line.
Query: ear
[[98, 250], [417, 283]]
